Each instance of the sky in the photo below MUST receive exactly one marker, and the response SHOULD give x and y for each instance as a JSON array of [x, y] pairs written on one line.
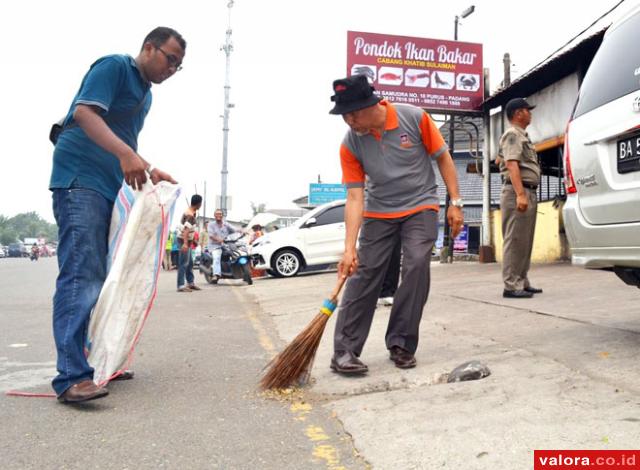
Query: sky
[[286, 55]]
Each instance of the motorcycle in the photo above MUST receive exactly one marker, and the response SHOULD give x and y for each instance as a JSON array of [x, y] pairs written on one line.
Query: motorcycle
[[234, 263]]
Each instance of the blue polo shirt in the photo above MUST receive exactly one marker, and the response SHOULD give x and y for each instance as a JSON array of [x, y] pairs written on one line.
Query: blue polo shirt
[[114, 85]]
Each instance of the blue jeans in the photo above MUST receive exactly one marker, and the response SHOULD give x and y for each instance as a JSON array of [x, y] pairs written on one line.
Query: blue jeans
[[216, 255], [185, 268], [83, 217]]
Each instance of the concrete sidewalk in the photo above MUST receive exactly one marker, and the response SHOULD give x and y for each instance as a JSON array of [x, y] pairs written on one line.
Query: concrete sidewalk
[[564, 368]]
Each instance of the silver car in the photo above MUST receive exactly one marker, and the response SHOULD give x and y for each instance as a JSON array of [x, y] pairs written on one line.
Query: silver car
[[602, 157]]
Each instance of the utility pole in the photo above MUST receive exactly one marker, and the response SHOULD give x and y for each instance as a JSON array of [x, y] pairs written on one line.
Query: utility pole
[[447, 242], [487, 254], [227, 48], [204, 201], [506, 62]]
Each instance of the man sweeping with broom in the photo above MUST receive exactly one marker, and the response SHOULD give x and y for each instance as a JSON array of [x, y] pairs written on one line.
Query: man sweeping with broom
[[390, 150]]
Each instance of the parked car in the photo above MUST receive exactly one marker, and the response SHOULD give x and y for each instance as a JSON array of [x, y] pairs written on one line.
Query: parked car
[[316, 238], [18, 250], [602, 158], [3, 253]]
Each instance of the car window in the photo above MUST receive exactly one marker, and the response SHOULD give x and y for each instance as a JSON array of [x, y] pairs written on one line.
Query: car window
[[615, 70], [332, 215]]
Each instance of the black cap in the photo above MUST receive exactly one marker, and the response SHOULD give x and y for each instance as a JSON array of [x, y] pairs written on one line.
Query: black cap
[[516, 104], [353, 93]]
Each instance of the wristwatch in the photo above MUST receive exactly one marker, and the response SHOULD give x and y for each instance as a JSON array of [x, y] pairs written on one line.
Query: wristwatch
[[457, 203]]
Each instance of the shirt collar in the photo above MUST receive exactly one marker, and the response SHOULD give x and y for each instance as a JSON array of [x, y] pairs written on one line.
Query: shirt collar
[[392, 116], [519, 129], [134, 64]]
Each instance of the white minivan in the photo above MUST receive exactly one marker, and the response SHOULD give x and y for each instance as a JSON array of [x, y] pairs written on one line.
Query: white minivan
[[602, 157], [316, 238]]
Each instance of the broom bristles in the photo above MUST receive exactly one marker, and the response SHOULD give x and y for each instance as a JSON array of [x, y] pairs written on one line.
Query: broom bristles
[[294, 363]]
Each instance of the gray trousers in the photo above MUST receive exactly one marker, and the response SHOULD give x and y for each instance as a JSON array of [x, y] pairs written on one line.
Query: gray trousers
[[517, 234], [418, 233]]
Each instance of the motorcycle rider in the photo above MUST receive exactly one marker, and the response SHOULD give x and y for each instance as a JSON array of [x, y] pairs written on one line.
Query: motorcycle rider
[[35, 252], [218, 230]]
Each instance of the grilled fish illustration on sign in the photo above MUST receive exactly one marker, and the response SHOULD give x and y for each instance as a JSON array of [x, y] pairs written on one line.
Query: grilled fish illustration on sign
[[418, 76], [390, 76]]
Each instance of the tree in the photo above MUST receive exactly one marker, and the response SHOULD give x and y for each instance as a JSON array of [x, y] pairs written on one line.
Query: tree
[[26, 225], [8, 235]]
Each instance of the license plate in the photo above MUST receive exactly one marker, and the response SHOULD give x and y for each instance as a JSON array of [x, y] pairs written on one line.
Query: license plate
[[628, 154]]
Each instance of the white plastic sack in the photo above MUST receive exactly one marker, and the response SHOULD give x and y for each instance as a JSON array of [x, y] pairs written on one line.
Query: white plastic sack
[[137, 237]]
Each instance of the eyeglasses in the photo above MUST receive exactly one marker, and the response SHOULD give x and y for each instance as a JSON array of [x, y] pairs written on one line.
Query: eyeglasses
[[171, 59]]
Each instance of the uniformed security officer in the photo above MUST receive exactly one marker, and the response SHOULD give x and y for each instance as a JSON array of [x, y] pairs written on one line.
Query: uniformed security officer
[[520, 170]]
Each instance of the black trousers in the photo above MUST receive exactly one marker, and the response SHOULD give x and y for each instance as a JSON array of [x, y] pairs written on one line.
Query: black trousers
[[417, 233], [392, 276]]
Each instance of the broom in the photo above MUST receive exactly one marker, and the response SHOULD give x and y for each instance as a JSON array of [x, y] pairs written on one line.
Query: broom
[[293, 365]]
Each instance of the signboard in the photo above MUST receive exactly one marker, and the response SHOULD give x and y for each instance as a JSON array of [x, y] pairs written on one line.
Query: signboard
[[429, 73], [321, 193], [461, 242]]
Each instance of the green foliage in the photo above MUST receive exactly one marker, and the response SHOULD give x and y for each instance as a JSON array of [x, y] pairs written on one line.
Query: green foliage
[[26, 225]]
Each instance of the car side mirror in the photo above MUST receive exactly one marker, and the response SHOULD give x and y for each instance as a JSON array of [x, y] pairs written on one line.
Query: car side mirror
[[311, 222]]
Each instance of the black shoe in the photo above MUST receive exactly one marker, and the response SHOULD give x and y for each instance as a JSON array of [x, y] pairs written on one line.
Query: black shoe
[[347, 363], [517, 294], [533, 290], [127, 374], [402, 358]]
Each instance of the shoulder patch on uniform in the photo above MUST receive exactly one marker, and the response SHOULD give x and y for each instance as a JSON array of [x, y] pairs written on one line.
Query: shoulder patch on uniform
[[512, 139]]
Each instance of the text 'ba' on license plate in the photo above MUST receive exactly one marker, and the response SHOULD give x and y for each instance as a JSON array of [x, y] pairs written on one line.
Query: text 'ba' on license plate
[[628, 153]]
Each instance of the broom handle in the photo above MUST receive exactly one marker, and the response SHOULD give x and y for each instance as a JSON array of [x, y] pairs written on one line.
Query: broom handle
[[337, 289]]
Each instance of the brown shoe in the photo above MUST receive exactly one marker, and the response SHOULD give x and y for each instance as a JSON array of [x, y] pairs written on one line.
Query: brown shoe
[[83, 391], [402, 358], [193, 287], [347, 363], [184, 289]]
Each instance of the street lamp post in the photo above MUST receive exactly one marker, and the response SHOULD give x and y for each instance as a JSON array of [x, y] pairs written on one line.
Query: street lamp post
[[464, 14], [448, 240], [227, 48]]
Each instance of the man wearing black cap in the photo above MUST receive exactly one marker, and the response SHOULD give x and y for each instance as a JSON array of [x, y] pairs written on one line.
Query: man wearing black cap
[[389, 149], [520, 170]]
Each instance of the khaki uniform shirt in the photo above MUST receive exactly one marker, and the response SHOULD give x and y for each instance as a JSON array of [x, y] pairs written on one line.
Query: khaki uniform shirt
[[516, 145]]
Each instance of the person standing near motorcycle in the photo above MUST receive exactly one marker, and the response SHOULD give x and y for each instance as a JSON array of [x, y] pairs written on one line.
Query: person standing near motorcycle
[[35, 252], [188, 227], [218, 230]]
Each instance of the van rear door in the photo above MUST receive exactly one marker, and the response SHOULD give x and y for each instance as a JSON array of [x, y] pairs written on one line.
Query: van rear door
[[604, 135]]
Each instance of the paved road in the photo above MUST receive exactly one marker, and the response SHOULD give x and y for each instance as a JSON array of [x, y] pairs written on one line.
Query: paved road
[[564, 369], [193, 403]]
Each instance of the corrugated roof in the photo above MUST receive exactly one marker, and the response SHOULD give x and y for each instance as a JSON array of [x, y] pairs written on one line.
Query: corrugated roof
[[576, 54], [548, 72], [469, 184]]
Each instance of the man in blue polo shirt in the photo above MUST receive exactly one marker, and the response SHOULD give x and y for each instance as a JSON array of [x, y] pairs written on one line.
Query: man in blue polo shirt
[[95, 151]]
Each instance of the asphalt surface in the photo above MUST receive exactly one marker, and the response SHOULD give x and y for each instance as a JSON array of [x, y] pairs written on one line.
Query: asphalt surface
[[193, 403], [564, 368]]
